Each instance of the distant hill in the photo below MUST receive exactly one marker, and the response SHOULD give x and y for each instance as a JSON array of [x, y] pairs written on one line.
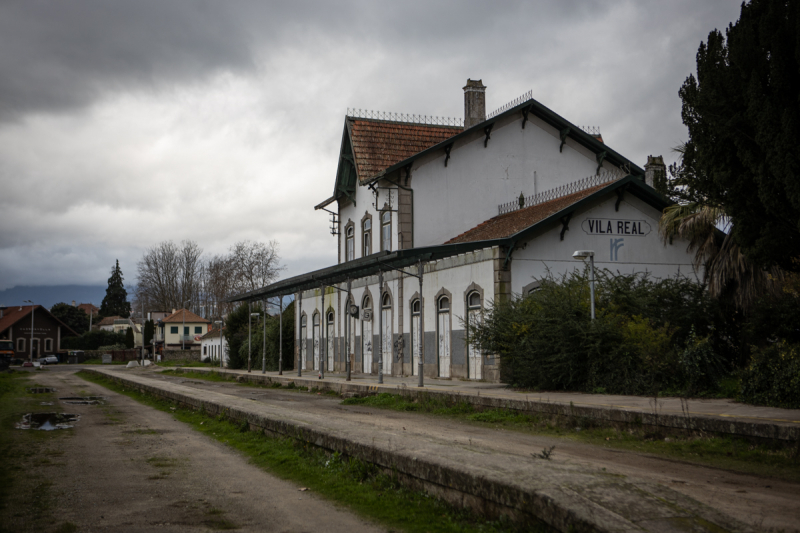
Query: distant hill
[[49, 295]]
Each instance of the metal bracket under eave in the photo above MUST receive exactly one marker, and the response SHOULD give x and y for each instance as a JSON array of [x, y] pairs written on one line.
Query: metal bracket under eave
[[508, 254], [600, 157], [564, 135], [488, 131], [447, 153], [408, 172], [525, 111], [620, 193], [565, 224]]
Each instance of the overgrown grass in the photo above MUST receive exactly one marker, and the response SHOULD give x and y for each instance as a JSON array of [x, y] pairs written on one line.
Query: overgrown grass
[[730, 453], [360, 486], [26, 497]]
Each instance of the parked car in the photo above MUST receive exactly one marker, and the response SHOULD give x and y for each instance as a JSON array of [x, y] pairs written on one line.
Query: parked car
[[27, 363], [49, 360]]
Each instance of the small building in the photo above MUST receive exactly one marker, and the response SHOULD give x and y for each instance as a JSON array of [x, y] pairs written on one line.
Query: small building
[[181, 329], [16, 323], [211, 348]]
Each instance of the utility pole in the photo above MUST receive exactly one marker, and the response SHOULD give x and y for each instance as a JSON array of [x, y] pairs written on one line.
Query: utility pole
[[33, 308]]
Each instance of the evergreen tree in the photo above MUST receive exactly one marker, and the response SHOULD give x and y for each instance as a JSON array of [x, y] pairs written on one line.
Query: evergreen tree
[[129, 340], [743, 116], [116, 301], [149, 331], [74, 317]]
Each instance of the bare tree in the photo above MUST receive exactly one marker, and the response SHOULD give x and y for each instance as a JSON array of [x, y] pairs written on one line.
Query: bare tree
[[254, 264], [168, 275]]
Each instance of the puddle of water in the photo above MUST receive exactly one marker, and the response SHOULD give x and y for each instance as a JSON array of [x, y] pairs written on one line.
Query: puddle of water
[[83, 400], [47, 421], [40, 390]]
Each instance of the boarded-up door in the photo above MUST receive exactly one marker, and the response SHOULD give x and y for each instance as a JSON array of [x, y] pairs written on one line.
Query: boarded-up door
[[352, 333], [444, 337], [316, 342], [415, 340], [366, 347], [330, 338], [303, 344], [386, 351], [473, 353]]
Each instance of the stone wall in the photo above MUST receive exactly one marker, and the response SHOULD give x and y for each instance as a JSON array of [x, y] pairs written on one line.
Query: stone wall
[[181, 355]]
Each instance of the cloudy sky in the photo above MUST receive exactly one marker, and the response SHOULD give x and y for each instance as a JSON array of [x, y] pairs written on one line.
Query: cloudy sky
[[123, 124]]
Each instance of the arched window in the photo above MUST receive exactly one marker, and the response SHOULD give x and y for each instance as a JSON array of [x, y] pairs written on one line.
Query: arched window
[[474, 314], [386, 231], [443, 334], [387, 301], [303, 321], [366, 336], [474, 300], [367, 236], [316, 319], [415, 307], [350, 243]]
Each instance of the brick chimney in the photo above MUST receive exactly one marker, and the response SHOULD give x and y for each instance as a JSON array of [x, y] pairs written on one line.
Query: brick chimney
[[655, 173], [474, 103]]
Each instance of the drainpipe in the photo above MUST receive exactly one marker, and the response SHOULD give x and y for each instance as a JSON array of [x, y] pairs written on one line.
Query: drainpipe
[[323, 324]]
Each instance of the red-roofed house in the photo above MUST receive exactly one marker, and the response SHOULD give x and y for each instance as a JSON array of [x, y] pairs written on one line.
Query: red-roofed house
[[16, 323], [482, 209]]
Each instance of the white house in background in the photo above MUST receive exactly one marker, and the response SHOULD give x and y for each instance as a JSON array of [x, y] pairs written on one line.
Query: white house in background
[[210, 346], [180, 329], [484, 210]]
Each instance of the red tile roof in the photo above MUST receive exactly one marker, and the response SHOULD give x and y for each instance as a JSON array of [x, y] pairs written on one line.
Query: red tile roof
[[379, 144], [178, 316], [508, 224], [89, 307], [14, 314]]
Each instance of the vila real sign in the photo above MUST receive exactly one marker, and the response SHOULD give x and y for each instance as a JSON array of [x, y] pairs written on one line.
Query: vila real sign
[[614, 226]]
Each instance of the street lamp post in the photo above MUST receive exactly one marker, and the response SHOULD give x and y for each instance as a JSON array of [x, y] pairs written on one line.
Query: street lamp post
[[583, 254], [183, 332], [33, 308], [220, 342]]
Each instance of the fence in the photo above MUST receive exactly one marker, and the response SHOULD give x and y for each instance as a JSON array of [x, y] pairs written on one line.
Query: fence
[[558, 192]]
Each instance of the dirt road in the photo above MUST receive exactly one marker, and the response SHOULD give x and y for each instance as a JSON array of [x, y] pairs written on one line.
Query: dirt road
[[764, 503], [132, 468]]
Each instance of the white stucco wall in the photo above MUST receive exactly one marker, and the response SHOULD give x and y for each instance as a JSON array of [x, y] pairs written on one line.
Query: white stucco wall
[[634, 253], [450, 200]]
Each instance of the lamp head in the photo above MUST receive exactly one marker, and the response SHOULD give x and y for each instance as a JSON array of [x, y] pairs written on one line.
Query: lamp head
[[583, 254]]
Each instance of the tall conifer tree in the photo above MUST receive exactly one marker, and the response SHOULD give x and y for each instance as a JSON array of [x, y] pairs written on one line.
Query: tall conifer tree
[[743, 115], [116, 301]]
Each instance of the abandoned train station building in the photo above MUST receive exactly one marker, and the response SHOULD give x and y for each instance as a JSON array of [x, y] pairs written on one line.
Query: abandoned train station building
[[436, 218]]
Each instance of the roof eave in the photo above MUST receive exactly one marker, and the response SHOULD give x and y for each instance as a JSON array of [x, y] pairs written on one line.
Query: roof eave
[[541, 111]]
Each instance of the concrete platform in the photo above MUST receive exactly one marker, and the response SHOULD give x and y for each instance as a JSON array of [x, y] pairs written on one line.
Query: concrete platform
[[720, 416], [568, 497]]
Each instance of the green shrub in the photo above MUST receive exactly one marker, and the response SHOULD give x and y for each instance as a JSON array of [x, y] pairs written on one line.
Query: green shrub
[[773, 376], [641, 342], [93, 340]]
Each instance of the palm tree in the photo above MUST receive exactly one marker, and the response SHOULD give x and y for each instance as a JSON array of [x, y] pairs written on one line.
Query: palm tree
[[728, 273]]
